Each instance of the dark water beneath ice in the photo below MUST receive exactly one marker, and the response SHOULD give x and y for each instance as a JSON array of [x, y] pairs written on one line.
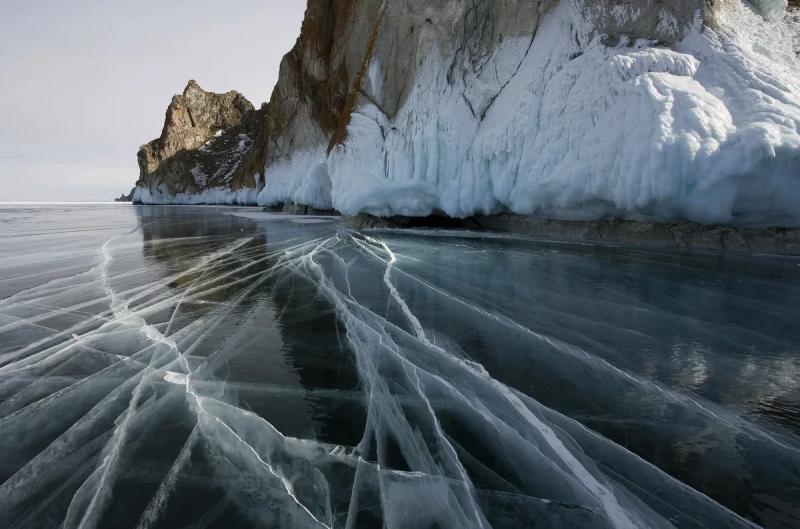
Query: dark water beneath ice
[[180, 367]]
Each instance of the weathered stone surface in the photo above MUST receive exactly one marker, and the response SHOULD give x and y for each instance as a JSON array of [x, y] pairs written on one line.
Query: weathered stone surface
[[205, 138]]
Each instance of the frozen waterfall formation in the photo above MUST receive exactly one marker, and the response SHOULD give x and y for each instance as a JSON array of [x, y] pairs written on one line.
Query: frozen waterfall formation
[[576, 109]]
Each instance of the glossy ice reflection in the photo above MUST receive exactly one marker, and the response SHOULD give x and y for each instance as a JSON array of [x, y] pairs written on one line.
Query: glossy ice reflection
[[212, 367]]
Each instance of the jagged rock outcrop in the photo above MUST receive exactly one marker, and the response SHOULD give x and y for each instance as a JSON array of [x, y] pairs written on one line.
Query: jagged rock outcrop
[[126, 198], [665, 110], [204, 143]]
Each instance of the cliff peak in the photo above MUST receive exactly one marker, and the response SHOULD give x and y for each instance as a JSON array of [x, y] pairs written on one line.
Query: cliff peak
[[205, 134], [192, 85]]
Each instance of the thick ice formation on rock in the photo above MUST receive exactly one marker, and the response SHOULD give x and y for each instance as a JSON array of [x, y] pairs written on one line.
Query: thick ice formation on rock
[[578, 124], [793, 22], [303, 180], [771, 9], [686, 110], [213, 195]]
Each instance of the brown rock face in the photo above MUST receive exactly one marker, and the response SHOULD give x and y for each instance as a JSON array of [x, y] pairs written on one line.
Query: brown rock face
[[316, 77], [205, 138]]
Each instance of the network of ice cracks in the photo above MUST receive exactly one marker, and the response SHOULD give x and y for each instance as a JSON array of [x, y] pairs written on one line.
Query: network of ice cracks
[[556, 470]]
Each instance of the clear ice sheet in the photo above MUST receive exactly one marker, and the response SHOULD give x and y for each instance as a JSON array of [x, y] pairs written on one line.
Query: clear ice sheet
[[166, 367]]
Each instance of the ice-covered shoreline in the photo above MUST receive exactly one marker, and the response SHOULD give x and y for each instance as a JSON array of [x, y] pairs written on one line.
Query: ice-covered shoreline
[[707, 131], [571, 124], [214, 196], [616, 232], [645, 233]]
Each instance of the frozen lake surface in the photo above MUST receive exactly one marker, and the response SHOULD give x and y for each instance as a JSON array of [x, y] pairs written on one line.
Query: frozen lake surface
[[191, 367]]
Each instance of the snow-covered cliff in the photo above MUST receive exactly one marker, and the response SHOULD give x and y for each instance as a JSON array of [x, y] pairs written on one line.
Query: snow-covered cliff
[[687, 109]]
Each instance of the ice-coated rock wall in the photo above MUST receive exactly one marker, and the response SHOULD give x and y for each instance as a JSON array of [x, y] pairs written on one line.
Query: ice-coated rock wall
[[771, 9], [573, 109], [679, 110]]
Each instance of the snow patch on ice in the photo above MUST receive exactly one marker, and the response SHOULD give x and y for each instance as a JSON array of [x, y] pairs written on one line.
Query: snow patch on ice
[[176, 378]]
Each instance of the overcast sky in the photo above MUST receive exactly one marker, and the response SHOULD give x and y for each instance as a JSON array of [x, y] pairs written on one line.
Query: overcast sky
[[83, 83]]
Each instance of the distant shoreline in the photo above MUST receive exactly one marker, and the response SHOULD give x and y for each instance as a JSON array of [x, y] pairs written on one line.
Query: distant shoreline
[[59, 203]]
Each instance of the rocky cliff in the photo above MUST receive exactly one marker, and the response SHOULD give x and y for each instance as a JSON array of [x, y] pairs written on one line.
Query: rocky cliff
[[203, 146], [685, 109]]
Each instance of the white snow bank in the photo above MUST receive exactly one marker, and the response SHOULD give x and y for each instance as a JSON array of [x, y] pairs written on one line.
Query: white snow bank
[[708, 131], [214, 195]]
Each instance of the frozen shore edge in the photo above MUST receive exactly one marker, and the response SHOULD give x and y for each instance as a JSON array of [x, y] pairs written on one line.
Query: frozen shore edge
[[676, 235], [783, 241]]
